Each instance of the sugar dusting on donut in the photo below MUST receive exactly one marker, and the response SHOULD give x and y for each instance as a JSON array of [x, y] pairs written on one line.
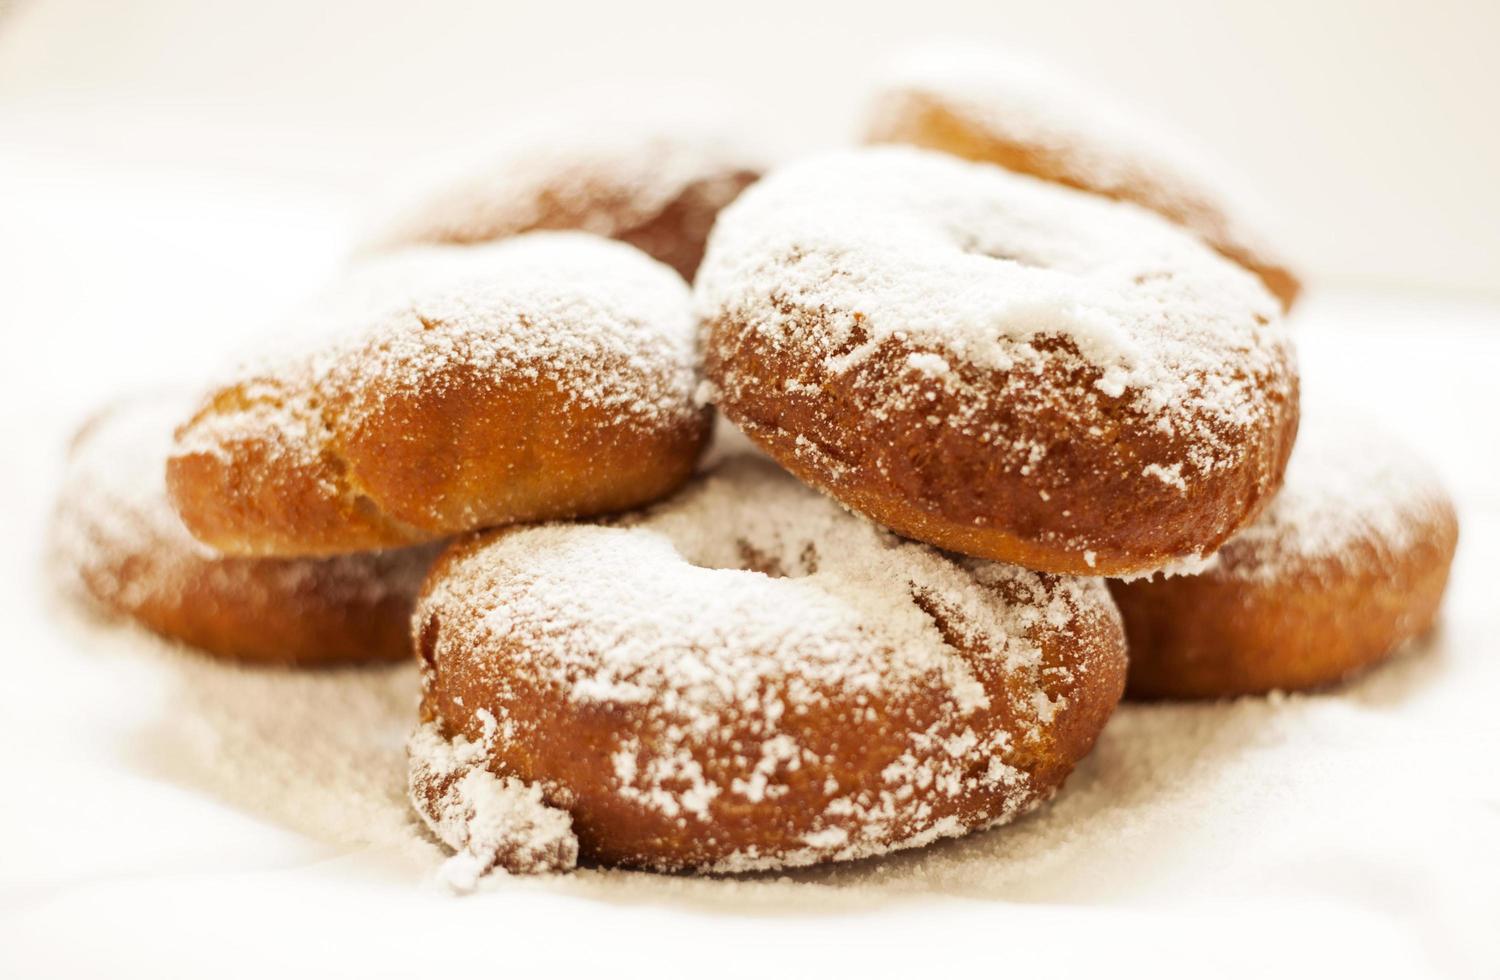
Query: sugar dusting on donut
[[589, 328], [975, 265], [550, 299], [610, 183], [1348, 483], [488, 821], [747, 601], [117, 541], [1101, 144], [594, 313]]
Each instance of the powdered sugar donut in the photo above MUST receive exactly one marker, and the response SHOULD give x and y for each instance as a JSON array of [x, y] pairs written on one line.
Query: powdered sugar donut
[[745, 677], [1346, 565], [445, 389], [994, 107], [118, 543], [659, 191], [997, 365]]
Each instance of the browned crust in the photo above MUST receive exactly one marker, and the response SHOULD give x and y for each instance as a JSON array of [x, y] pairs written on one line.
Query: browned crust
[[1216, 635], [279, 612], [920, 120], [1088, 507], [853, 741], [263, 611], [392, 466], [676, 235]]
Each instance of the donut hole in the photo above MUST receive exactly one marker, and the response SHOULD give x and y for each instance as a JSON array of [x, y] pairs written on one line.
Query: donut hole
[[942, 618], [753, 559], [742, 555]]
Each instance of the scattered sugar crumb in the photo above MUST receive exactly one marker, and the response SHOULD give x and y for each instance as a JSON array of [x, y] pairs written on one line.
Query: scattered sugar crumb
[[1170, 475], [490, 822]]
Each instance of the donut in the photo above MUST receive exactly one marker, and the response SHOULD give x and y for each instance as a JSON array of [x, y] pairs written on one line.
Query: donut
[[1347, 564], [118, 545], [655, 190], [443, 389], [991, 107], [745, 677], [997, 365]]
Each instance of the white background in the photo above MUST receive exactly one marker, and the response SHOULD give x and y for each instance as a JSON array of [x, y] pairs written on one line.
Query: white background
[[174, 173], [1374, 125]]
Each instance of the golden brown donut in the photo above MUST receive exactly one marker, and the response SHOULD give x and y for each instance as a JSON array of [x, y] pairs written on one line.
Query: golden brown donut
[[992, 107], [997, 365], [745, 677], [444, 389], [1346, 565], [656, 190], [118, 544]]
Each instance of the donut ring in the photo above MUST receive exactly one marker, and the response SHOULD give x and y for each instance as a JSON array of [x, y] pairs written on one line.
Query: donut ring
[[993, 108], [657, 191], [118, 544], [996, 365], [745, 677], [548, 375], [1346, 565]]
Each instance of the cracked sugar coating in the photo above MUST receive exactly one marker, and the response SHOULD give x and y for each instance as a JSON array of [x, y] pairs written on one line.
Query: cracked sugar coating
[[443, 389], [996, 107], [657, 190], [747, 676], [117, 542], [1348, 563], [997, 365]]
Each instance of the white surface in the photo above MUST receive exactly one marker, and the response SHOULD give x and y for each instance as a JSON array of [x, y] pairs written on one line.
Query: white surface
[[1370, 125], [157, 820]]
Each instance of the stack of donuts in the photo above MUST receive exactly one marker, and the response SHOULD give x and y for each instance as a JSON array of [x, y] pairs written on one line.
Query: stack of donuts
[[1017, 398]]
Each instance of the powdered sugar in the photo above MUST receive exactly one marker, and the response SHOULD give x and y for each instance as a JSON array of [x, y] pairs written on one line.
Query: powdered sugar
[[604, 327], [490, 822], [1189, 565], [616, 321], [609, 183], [1162, 775], [973, 265], [543, 302], [1089, 136], [1348, 483], [743, 604], [1170, 475]]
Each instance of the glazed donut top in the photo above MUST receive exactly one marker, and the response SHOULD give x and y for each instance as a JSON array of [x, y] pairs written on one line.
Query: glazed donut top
[[612, 184], [1102, 145], [1353, 496], [969, 265], [749, 597], [116, 527]]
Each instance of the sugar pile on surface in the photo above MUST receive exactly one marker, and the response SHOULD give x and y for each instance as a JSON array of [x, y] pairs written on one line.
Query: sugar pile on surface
[[1168, 787]]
